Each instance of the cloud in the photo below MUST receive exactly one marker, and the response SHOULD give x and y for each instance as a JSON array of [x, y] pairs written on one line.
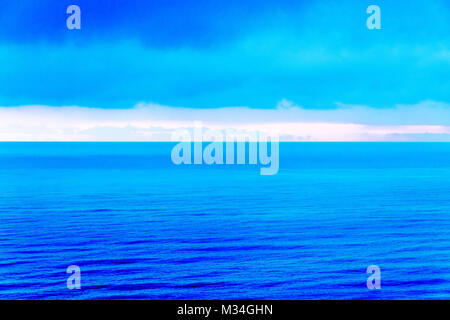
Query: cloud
[[201, 53], [426, 121]]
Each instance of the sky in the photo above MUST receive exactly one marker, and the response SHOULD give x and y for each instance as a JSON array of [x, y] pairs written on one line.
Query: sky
[[311, 70]]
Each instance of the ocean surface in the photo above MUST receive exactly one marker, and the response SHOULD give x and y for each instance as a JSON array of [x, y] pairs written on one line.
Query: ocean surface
[[140, 227]]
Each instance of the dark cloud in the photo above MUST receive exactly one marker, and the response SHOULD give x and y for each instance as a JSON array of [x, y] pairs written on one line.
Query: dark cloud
[[154, 23]]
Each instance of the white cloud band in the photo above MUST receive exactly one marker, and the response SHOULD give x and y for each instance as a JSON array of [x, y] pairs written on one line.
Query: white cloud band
[[427, 121]]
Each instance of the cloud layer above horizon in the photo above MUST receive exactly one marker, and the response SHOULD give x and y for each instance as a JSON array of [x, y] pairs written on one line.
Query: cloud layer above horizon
[[226, 64], [427, 121]]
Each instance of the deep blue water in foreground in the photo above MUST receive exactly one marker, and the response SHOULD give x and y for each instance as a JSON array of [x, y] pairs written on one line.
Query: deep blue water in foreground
[[140, 227]]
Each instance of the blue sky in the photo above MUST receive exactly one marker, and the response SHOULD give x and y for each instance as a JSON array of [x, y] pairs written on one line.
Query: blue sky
[[210, 54], [311, 70]]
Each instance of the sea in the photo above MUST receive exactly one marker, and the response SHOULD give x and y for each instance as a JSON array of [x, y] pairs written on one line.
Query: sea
[[140, 227]]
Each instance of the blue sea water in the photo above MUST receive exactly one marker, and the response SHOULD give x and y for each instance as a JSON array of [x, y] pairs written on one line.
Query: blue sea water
[[140, 227]]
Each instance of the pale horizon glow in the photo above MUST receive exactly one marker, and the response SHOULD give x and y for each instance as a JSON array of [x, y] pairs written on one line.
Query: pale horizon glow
[[425, 121]]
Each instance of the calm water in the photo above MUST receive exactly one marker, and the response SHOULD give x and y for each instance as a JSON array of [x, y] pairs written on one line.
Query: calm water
[[140, 227]]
